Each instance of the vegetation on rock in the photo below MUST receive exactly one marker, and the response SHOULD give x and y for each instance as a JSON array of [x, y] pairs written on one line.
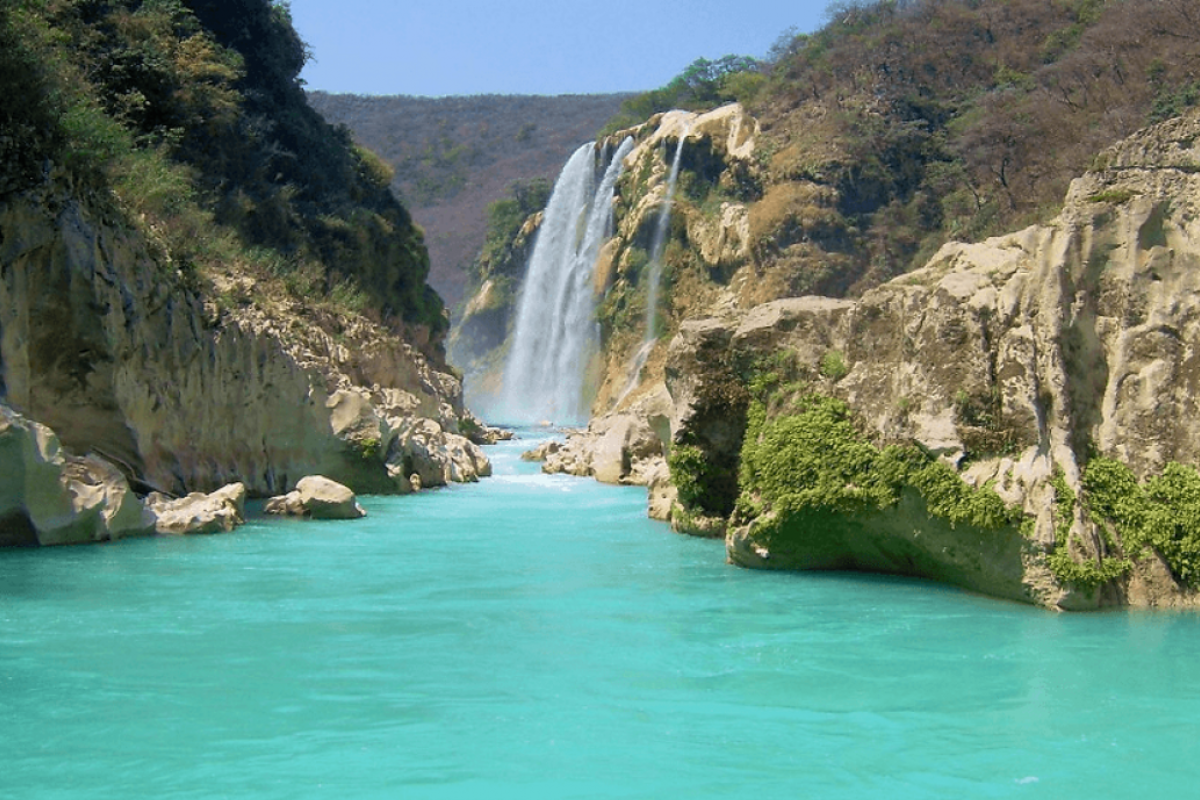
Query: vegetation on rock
[[193, 114], [811, 463], [901, 125]]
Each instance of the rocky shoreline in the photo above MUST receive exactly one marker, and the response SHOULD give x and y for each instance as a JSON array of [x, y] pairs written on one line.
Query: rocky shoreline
[[122, 376], [1017, 363]]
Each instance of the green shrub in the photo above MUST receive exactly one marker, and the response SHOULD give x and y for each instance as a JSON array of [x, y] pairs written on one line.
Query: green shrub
[[815, 460], [1163, 513], [688, 471], [833, 366]]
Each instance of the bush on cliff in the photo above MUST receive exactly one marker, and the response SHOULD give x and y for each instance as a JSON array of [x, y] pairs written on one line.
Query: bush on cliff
[[1163, 512], [812, 464]]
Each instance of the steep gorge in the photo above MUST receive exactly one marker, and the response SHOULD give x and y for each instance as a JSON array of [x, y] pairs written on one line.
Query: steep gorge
[[1030, 369]]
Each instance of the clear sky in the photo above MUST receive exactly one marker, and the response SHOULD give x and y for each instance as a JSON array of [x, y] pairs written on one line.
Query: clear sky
[[449, 47]]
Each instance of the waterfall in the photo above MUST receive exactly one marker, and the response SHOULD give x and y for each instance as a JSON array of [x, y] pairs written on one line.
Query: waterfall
[[556, 333], [634, 369], [660, 241]]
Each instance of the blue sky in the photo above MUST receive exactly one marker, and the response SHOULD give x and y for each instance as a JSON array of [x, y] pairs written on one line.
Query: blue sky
[[530, 46]]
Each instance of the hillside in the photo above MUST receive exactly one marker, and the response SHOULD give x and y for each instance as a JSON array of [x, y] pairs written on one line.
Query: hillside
[[837, 377], [201, 281], [455, 155]]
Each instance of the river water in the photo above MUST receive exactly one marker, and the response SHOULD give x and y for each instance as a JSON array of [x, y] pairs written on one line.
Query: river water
[[537, 637]]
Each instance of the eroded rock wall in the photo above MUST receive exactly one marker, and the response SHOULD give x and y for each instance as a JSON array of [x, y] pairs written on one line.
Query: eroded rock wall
[[1009, 359], [127, 357]]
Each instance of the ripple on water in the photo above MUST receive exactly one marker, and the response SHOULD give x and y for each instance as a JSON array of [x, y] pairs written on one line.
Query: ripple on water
[[536, 635]]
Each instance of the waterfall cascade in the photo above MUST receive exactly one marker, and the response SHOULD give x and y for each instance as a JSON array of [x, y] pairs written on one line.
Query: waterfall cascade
[[556, 333], [660, 240], [659, 243]]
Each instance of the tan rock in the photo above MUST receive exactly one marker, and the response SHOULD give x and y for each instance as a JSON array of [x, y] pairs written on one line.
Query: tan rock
[[184, 394], [1027, 353], [48, 497], [218, 512], [317, 497]]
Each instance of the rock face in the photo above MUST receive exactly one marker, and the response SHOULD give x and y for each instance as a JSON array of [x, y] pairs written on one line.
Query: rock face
[[625, 448], [122, 356], [317, 497], [1013, 360], [218, 512], [719, 149], [48, 497]]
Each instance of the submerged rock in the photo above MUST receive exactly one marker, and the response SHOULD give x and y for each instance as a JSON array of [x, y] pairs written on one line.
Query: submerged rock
[[317, 497]]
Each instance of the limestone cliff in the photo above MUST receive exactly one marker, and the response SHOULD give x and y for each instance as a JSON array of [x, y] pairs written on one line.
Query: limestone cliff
[[127, 359], [1023, 363]]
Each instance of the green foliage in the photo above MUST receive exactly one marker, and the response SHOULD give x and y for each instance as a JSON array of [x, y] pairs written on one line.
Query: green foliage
[[1115, 196], [949, 497], [1171, 101], [505, 217], [368, 449], [194, 115], [1164, 513], [689, 471], [373, 169], [702, 84], [814, 460], [833, 365], [1087, 574]]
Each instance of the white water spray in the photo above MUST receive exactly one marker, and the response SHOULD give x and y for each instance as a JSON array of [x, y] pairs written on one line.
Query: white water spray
[[556, 332]]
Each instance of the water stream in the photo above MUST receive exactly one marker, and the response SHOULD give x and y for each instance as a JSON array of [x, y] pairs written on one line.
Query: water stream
[[537, 636], [660, 241], [633, 370]]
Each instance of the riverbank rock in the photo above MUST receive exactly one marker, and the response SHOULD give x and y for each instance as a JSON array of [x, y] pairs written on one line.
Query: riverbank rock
[[623, 448], [192, 382], [218, 512], [48, 497], [542, 451], [317, 497], [1015, 361]]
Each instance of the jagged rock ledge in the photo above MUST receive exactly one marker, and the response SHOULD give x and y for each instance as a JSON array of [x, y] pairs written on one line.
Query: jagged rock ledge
[[1015, 362], [171, 384]]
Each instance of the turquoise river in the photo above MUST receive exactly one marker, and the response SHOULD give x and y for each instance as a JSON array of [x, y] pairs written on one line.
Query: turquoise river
[[537, 637]]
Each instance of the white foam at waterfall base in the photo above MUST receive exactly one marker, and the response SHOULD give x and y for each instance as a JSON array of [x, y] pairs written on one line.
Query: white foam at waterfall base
[[556, 333]]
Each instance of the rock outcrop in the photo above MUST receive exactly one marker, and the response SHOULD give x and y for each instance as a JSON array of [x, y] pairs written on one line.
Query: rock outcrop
[[623, 448], [48, 497], [217, 512], [124, 356], [1014, 360], [317, 497]]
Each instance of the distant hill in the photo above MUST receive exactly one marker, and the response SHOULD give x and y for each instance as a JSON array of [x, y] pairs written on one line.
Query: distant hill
[[455, 155]]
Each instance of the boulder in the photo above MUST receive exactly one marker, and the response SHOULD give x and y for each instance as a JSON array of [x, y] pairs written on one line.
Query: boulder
[[49, 497], [423, 448], [317, 497], [218, 512]]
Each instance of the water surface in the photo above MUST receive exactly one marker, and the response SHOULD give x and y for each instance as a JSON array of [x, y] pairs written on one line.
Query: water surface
[[537, 636]]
